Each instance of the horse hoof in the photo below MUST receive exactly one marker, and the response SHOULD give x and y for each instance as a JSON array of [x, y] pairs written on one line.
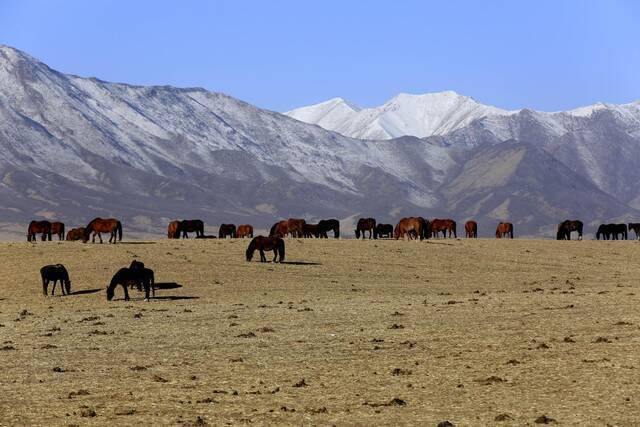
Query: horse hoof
[[146, 299]]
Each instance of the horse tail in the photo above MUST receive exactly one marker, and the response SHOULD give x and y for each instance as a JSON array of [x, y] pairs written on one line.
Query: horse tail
[[336, 231], [119, 230], [251, 249], [281, 248], [61, 233]]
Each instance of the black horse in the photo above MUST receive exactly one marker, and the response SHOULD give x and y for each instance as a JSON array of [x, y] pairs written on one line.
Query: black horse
[[566, 227], [55, 273], [261, 243], [326, 225], [635, 226], [612, 232], [130, 277], [384, 230], [227, 230]]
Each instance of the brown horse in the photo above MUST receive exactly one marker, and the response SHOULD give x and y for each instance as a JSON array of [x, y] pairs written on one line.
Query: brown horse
[[99, 225], [279, 229], [310, 230], [471, 229], [58, 228], [36, 227], [291, 226], [190, 226], [566, 227], [173, 230], [366, 224], [328, 225], [444, 225], [412, 227], [244, 230], [75, 234], [296, 227], [227, 230], [504, 229], [635, 226], [261, 243]]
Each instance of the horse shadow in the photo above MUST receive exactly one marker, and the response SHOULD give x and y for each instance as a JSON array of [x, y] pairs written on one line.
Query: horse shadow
[[86, 291], [300, 263], [136, 243], [173, 298]]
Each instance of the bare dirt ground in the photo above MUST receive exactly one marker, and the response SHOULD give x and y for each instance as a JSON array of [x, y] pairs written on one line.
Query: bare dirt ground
[[478, 332]]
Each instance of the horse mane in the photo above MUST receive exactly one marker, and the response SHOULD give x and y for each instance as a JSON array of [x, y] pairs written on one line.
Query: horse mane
[[251, 248]]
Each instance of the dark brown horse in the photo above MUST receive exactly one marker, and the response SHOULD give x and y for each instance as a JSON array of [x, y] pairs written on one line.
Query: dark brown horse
[[384, 231], [55, 273], [244, 230], [227, 230], [75, 234], [612, 231], [411, 227], [366, 224], [443, 225], [173, 230], [296, 227], [635, 226], [190, 226], [471, 229], [261, 243], [99, 225], [504, 229], [326, 225], [36, 227], [566, 227], [310, 230], [58, 228]]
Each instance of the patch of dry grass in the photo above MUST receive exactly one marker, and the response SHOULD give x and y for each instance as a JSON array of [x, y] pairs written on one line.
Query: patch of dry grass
[[376, 332]]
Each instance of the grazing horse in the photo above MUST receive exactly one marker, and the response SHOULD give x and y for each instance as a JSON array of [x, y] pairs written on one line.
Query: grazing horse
[[471, 229], [55, 273], [291, 226], [279, 229], [36, 227], [75, 234], [604, 231], [192, 225], [566, 227], [173, 230], [310, 230], [412, 227], [612, 231], [384, 230], [444, 225], [261, 243], [366, 224], [127, 277], [58, 228], [328, 225], [99, 225], [227, 230], [635, 226], [244, 230], [146, 278], [504, 229]]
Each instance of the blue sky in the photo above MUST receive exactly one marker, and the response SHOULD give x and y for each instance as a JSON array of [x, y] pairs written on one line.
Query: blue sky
[[547, 55]]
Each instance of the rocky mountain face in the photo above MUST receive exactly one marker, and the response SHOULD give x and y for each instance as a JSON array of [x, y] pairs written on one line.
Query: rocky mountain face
[[74, 148]]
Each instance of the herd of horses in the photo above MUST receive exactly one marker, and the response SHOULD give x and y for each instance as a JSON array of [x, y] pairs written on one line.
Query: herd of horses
[[410, 228]]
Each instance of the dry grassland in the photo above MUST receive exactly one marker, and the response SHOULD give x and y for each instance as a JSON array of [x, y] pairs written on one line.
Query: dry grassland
[[478, 332]]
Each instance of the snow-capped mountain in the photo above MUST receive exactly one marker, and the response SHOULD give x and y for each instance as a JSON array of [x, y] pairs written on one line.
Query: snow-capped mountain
[[414, 115], [73, 148]]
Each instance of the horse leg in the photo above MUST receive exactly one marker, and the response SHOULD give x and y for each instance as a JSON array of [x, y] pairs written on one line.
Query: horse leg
[[53, 289], [262, 257], [126, 292], [45, 284], [146, 290], [100, 237]]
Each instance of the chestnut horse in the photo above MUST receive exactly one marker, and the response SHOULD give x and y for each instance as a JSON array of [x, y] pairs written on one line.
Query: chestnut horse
[[173, 230], [191, 225], [328, 225], [413, 227], [384, 230], [635, 226], [366, 224], [244, 230], [566, 227], [75, 234], [444, 225], [291, 226], [58, 228], [227, 230], [504, 229], [261, 243], [471, 229], [35, 227], [99, 225]]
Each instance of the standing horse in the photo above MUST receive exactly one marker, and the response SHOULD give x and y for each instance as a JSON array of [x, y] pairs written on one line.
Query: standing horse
[[366, 224], [191, 225], [471, 229], [444, 225], [310, 230], [329, 225], [279, 229], [411, 227], [296, 227], [566, 227], [36, 227], [173, 230], [99, 225], [261, 243], [619, 229], [58, 228], [635, 226], [75, 234], [244, 230], [55, 273], [384, 230], [504, 229], [227, 230]]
